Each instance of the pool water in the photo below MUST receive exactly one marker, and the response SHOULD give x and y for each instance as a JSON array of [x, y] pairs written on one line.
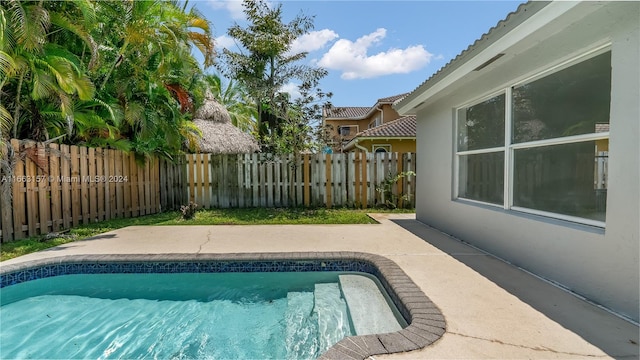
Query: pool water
[[174, 316]]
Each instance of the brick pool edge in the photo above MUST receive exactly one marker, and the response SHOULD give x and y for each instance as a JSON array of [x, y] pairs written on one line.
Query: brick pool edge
[[426, 322]]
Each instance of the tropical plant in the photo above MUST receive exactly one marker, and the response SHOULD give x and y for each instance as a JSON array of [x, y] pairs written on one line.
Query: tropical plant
[[151, 71], [140, 97], [386, 189], [235, 98], [37, 71], [265, 63]]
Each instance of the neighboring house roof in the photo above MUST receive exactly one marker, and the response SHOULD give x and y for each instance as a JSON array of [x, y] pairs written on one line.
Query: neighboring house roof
[[352, 113], [401, 128], [513, 20], [347, 112], [392, 99]]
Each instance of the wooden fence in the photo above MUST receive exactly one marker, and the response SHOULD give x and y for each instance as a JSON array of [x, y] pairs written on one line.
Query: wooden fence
[[49, 188], [263, 180]]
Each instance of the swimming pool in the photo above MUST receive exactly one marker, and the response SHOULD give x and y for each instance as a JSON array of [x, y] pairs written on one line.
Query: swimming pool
[[426, 324]]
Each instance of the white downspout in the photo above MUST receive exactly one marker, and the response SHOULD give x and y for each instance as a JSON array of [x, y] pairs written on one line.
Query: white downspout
[[360, 147]]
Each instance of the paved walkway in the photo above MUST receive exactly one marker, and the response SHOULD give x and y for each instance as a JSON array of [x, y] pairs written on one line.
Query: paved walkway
[[493, 310]]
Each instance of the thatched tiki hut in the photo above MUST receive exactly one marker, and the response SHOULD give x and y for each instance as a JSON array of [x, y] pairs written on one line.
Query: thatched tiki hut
[[219, 136]]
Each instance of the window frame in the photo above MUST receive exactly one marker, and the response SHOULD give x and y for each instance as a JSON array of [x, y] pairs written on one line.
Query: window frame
[[510, 148], [458, 154], [377, 121], [350, 127], [386, 147]]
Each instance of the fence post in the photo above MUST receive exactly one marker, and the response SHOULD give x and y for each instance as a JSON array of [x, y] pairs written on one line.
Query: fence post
[[6, 183], [328, 199], [307, 180]]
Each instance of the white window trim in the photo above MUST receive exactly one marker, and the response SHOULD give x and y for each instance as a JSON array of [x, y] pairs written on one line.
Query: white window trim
[[509, 148], [561, 140], [377, 121], [549, 214], [572, 60], [480, 151], [350, 127], [375, 147]]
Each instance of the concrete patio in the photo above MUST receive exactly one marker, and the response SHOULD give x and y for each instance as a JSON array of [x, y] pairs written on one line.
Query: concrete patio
[[493, 310]]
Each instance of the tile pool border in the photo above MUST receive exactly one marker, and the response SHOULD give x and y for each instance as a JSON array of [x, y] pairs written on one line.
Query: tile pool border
[[426, 322]]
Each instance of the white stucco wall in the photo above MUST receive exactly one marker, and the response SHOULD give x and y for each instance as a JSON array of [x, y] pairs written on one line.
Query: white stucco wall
[[601, 264]]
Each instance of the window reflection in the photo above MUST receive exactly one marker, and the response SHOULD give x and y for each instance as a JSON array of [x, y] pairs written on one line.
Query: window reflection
[[568, 179]]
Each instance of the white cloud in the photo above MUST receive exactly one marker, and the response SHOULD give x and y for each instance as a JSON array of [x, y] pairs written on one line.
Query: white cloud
[[352, 59], [224, 42], [292, 89], [233, 6], [312, 41]]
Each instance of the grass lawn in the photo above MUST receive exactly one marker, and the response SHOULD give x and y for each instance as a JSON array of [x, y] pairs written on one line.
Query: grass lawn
[[251, 216]]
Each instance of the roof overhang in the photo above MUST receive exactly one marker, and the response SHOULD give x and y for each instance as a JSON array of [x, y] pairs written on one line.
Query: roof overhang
[[518, 26], [352, 143], [372, 110]]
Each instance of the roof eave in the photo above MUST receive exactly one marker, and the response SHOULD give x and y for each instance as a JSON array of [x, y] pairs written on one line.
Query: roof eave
[[352, 143], [346, 118], [369, 112], [372, 138]]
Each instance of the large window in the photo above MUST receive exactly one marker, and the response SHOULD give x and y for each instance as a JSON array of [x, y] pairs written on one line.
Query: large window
[[541, 146], [481, 151]]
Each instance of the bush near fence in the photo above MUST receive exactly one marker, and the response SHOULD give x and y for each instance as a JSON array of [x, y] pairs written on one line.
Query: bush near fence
[[316, 180], [47, 188]]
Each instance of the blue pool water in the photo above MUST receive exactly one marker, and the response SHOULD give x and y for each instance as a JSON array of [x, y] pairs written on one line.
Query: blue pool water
[[174, 316]]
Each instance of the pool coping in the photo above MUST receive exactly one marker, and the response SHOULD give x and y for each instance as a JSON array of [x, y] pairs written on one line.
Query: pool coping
[[426, 324]]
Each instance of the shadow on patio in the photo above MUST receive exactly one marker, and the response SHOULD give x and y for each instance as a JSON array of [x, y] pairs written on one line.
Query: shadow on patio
[[613, 335]]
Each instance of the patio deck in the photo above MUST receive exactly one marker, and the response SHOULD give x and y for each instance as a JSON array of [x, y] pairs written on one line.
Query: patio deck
[[493, 310]]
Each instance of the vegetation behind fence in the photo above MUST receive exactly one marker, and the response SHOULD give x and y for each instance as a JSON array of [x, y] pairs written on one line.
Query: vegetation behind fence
[[264, 180], [49, 188]]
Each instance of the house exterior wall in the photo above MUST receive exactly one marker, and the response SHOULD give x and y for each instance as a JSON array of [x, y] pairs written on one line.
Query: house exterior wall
[[601, 264], [335, 124], [387, 112], [397, 145]]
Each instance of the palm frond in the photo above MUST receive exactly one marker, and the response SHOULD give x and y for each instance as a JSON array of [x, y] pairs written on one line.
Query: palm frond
[[65, 23], [7, 41], [7, 66], [5, 122], [30, 24]]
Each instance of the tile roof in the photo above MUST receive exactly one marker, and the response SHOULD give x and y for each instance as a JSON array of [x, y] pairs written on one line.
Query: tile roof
[[351, 112], [392, 99], [347, 112], [402, 127]]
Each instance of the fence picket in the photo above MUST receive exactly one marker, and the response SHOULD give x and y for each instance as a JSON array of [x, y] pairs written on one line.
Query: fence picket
[[42, 181], [6, 213], [70, 185], [84, 185], [110, 190]]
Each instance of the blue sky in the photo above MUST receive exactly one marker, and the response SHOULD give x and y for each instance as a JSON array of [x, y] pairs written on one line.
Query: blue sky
[[375, 49]]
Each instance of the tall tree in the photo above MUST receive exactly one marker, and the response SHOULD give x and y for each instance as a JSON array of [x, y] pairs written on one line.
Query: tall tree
[[150, 71], [139, 97], [39, 72], [265, 63]]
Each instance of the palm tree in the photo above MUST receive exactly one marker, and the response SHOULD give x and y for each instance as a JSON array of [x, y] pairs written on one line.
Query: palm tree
[[49, 57], [151, 69], [36, 71]]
